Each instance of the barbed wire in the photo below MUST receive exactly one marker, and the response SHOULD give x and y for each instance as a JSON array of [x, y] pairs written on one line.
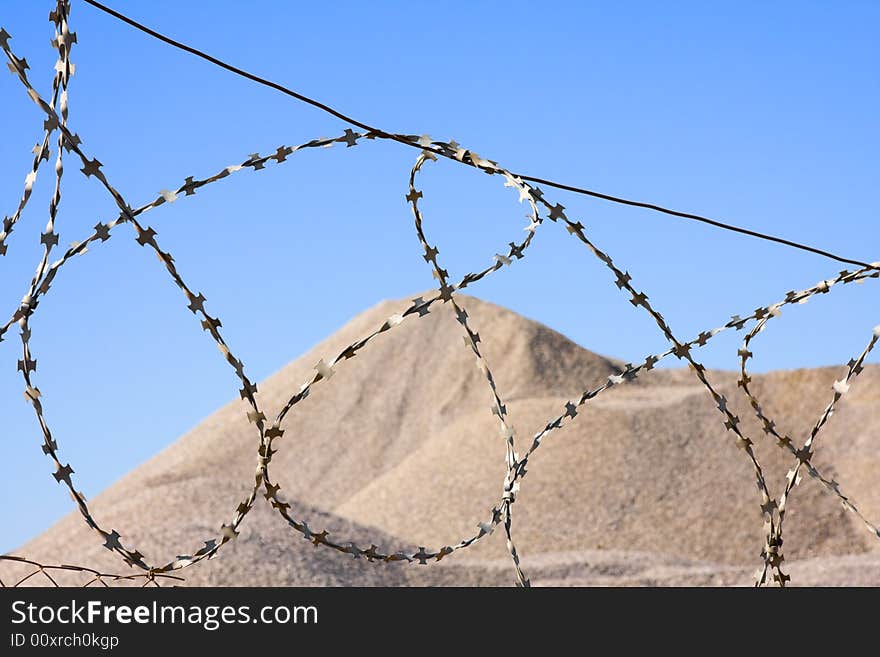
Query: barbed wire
[[34, 569], [267, 433]]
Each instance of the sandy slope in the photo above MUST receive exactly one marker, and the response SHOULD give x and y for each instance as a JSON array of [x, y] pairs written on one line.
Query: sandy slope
[[399, 448]]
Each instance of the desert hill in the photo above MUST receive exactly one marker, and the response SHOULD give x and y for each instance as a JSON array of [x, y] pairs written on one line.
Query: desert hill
[[400, 449]]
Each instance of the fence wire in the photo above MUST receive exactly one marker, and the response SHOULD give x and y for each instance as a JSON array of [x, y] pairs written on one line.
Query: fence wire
[[157, 571]]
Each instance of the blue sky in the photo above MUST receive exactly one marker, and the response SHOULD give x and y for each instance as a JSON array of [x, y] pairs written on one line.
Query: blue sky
[[761, 114]]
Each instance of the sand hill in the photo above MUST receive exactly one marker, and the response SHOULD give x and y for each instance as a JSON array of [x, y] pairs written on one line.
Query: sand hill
[[400, 449]]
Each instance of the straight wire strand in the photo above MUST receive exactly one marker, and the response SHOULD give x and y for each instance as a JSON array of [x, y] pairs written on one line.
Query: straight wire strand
[[541, 181]]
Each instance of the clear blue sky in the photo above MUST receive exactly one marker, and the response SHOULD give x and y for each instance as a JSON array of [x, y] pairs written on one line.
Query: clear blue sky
[[762, 114]]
